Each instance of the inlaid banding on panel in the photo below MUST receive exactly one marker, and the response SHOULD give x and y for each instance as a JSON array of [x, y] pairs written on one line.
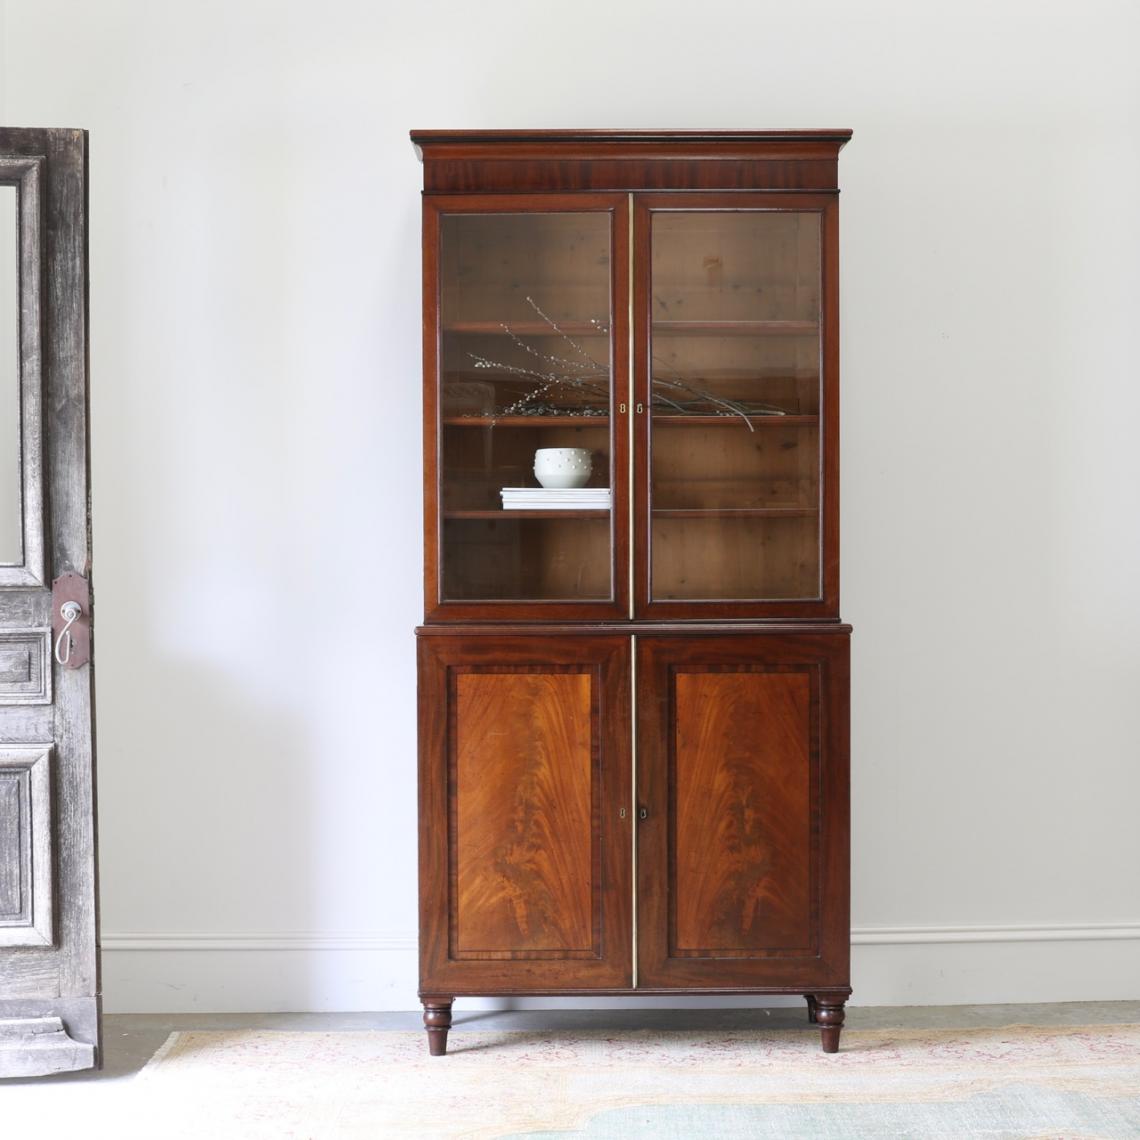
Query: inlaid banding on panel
[[523, 848], [25, 847], [743, 842], [25, 666]]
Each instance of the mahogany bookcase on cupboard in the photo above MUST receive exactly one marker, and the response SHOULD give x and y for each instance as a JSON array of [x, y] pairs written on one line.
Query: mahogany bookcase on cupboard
[[633, 694]]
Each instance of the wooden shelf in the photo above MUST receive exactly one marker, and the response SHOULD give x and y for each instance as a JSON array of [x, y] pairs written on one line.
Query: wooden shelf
[[659, 512], [526, 328], [666, 328], [734, 513], [527, 421], [500, 515], [671, 419], [735, 328]]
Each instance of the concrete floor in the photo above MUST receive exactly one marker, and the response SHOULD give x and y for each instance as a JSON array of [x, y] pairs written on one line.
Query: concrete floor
[[130, 1040]]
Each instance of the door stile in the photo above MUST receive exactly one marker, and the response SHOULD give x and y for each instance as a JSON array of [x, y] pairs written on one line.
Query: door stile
[[829, 405], [631, 396], [634, 814], [641, 364]]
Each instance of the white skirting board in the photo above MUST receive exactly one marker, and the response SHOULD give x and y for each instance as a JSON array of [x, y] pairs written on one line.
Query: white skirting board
[[299, 972]]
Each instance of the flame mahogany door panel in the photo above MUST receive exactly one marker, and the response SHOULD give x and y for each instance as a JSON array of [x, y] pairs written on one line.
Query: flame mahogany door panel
[[742, 781], [525, 841]]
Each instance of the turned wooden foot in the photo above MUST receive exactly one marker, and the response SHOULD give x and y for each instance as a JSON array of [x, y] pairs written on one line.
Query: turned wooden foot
[[810, 999], [829, 1014], [437, 1021]]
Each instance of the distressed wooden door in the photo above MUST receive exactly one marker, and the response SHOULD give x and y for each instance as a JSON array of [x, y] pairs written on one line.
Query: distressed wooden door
[[742, 793], [49, 979]]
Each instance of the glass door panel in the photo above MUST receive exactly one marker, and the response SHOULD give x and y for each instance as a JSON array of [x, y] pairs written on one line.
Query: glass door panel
[[734, 398], [525, 367]]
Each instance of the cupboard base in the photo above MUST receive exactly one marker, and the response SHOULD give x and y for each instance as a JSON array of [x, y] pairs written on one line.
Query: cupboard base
[[827, 1008]]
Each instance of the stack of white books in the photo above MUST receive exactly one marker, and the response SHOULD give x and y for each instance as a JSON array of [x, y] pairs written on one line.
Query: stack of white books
[[556, 498]]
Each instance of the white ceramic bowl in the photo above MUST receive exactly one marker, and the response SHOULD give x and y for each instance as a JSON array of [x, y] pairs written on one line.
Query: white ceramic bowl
[[563, 466]]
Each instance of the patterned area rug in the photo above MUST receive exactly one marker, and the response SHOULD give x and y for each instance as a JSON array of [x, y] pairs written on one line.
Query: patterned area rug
[[1013, 1082]]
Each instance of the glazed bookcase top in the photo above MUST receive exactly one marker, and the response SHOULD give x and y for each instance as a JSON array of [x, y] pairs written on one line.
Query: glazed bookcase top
[[679, 327]]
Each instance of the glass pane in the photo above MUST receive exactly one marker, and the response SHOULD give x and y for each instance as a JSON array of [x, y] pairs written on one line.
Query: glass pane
[[525, 405], [735, 368], [11, 515]]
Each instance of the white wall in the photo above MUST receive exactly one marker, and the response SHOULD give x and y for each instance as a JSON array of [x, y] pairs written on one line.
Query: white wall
[[255, 360]]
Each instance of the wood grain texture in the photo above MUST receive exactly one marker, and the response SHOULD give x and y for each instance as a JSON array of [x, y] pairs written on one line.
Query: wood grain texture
[[36, 1047], [25, 667], [457, 176], [523, 842], [30, 974], [27, 872], [742, 812], [13, 845]]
